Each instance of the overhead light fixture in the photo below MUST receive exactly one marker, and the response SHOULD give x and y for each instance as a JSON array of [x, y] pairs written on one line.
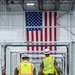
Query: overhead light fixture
[[30, 4]]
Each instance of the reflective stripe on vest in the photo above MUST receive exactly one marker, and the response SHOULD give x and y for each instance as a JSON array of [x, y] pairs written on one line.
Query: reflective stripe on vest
[[48, 65], [25, 69]]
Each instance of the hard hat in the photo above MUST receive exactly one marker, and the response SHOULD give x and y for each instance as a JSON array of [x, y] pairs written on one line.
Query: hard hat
[[25, 55], [46, 51]]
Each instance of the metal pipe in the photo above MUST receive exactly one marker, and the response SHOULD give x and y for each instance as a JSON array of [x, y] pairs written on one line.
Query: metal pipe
[[42, 53], [67, 60], [22, 4], [72, 4], [34, 45], [38, 4], [41, 4], [65, 26], [5, 4]]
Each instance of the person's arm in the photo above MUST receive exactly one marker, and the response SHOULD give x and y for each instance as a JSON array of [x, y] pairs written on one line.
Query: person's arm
[[34, 72], [58, 69], [33, 69], [41, 68], [55, 63], [16, 71]]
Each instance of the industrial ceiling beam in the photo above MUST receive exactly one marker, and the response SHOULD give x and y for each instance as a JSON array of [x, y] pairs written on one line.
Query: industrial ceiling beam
[[57, 4], [72, 4], [41, 5], [38, 4], [22, 4], [5, 3]]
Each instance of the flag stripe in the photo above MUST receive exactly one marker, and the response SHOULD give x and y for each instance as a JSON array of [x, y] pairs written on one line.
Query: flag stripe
[[45, 28], [36, 39], [55, 14], [41, 38], [27, 39], [50, 29], [32, 39], [39, 48], [53, 30]]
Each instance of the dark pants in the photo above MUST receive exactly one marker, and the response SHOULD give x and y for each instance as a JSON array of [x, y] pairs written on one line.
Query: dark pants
[[51, 74]]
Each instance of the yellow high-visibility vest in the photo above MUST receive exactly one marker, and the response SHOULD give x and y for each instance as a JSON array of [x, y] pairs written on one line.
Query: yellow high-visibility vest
[[25, 68], [48, 65]]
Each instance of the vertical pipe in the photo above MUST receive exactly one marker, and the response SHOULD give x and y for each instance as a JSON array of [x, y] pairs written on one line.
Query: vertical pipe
[[67, 60], [38, 4], [5, 56], [41, 4], [0, 61], [65, 64], [70, 58]]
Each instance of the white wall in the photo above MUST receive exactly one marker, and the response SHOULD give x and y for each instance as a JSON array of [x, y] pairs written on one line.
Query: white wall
[[72, 60], [63, 21], [0, 61], [13, 23]]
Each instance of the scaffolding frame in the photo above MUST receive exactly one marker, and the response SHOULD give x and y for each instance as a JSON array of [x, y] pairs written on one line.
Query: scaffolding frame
[[24, 44]]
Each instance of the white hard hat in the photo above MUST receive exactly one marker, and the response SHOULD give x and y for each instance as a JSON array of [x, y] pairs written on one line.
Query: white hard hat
[[46, 51], [25, 55]]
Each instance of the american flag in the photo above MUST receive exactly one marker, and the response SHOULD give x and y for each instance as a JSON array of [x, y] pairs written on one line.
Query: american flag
[[39, 33]]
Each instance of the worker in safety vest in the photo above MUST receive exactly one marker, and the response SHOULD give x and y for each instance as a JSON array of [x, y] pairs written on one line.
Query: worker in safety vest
[[25, 67], [47, 66]]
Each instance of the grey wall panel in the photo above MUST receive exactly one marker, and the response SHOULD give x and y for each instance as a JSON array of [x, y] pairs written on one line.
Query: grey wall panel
[[13, 62], [73, 59], [0, 61]]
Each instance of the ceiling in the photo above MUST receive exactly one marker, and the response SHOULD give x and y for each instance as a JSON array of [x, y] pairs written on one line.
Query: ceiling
[[39, 5]]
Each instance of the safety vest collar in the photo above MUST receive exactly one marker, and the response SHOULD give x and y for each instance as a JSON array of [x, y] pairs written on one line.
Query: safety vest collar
[[25, 61], [26, 74]]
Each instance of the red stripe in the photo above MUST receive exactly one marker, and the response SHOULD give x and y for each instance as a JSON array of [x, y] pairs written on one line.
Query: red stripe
[[55, 14], [45, 28], [50, 29], [41, 38], [36, 39], [32, 33], [27, 39]]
